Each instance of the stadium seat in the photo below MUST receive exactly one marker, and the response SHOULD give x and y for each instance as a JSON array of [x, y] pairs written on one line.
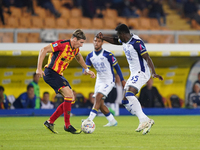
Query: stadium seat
[[144, 37], [37, 22], [195, 25], [74, 23], [153, 39], [49, 22], [76, 13], [22, 37], [7, 38], [97, 23], [109, 23], [65, 13], [121, 20], [86, 23], [16, 12], [144, 12], [1, 36], [12, 22], [24, 22], [33, 38], [145, 23], [41, 12], [63, 2], [56, 4], [154, 24], [110, 13], [134, 23], [61, 23]]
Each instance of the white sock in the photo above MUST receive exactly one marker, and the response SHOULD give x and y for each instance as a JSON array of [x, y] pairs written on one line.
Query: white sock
[[92, 115], [134, 107], [110, 118]]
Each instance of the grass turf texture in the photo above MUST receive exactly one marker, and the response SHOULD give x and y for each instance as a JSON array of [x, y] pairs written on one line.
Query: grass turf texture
[[168, 132]]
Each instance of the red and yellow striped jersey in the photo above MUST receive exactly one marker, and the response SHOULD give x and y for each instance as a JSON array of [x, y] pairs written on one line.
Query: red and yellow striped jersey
[[62, 55]]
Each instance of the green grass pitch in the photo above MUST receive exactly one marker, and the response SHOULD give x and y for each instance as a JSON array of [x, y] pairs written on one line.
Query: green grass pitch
[[168, 132]]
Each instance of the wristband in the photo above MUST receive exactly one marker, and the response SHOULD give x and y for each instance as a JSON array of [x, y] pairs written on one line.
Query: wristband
[[87, 70]]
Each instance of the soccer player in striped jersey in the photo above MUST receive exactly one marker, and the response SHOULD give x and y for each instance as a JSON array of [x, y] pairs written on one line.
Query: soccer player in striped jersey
[[140, 65], [104, 62], [61, 54]]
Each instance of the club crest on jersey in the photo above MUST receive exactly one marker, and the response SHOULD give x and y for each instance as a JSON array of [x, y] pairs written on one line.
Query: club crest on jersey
[[54, 45]]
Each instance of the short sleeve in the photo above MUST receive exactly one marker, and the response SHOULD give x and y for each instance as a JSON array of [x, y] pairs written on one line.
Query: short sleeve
[[140, 47], [57, 46]]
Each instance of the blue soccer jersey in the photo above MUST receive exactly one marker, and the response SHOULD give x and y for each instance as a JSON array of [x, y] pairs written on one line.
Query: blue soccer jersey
[[134, 49], [104, 61]]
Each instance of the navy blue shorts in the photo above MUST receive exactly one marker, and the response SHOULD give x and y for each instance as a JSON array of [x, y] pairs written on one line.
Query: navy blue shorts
[[55, 80]]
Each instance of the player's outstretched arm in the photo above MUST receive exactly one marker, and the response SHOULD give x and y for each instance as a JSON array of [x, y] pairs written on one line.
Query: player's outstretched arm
[[81, 61], [42, 54], [151, 66], [112, 40]]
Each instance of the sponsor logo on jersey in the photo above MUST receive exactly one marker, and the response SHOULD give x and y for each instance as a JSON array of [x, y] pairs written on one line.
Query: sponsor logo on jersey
[[142, 47], [54, 45]]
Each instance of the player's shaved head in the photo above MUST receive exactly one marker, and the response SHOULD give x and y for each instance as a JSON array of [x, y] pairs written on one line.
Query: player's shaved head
[[122, 28]]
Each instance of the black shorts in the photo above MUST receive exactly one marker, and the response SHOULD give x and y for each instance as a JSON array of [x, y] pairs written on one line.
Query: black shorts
[[55, 80]]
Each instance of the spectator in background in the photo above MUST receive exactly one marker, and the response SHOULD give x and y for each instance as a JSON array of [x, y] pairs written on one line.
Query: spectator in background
[[150, 97], [197, 81], [34, 83], [58, 99], [26, 99], [175, 101], [89, 8], [197, 18], [117, 4], [46, 103], [140, 4], [98, 13], [90, 101], [189, 9], [4, 103], [47, 4], [25, 3], [1, 12], [7, 4], [129, 10], [194, 97], [79, 100], [156, 11]]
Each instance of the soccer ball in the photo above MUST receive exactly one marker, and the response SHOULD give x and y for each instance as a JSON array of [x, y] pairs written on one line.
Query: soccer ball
[[88, 126]]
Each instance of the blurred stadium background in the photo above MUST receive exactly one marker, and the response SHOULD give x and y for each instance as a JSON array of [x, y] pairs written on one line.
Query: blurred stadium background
[[174, 47]]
